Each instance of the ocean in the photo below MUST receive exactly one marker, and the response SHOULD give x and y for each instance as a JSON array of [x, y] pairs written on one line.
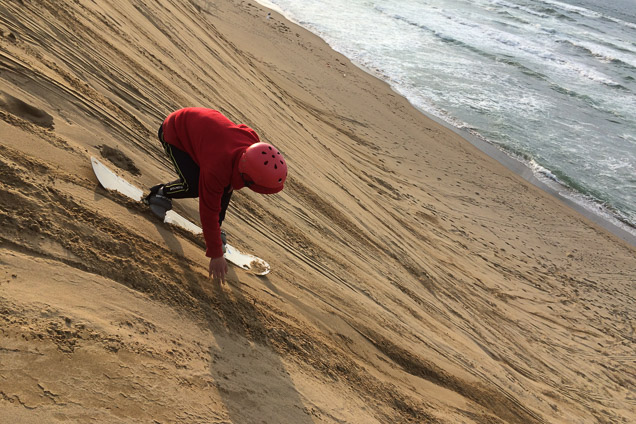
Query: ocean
[[551, 83]]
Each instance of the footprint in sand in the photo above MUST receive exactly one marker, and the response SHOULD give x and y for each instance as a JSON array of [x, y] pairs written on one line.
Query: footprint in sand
[[25, 111]]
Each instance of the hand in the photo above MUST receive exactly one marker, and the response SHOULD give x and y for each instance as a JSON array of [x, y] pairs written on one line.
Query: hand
[[218, 268]]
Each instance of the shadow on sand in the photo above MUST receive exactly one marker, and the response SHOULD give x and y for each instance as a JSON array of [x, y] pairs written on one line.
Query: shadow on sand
[[251, 377]]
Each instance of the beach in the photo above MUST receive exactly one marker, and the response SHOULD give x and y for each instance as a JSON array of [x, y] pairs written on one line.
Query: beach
[[414, 278]]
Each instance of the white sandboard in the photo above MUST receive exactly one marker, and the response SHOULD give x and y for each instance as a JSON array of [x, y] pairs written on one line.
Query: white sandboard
[[111, 181]]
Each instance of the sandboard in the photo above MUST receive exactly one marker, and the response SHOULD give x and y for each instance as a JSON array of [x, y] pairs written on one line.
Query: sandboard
[[111, 181]]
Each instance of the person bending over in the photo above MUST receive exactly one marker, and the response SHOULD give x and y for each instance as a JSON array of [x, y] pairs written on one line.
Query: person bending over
[[213, 157]]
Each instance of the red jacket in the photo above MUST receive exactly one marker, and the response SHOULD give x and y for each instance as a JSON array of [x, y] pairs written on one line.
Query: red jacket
[[215, 143]]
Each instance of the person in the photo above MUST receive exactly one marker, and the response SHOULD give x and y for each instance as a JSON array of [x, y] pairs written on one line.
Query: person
[[213, 157]]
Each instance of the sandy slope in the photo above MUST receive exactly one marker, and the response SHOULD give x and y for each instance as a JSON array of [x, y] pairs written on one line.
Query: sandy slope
[[415, 280]]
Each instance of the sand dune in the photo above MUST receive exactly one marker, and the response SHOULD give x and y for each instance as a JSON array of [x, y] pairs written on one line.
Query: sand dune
[[414, 278]]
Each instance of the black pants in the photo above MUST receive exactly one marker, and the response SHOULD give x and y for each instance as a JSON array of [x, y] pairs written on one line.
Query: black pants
[[187, 185]]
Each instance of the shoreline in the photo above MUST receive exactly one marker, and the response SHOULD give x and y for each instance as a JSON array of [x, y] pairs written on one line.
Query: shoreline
[[610, 222], [524, 171]]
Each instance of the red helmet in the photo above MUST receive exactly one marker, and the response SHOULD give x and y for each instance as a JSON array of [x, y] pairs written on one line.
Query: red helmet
[[262, 164]]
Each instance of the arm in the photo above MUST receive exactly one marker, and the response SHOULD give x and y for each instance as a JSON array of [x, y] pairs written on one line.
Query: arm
[[218, 266], [210, 208]]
